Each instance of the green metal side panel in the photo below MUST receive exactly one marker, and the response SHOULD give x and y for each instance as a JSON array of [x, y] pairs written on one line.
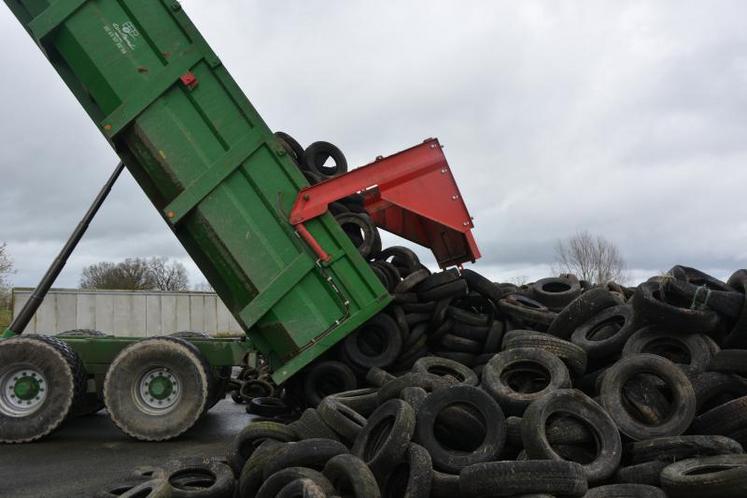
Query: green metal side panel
[[211, 166]]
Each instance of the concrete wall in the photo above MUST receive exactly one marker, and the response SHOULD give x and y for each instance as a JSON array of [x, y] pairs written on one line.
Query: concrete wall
[[127, 313]]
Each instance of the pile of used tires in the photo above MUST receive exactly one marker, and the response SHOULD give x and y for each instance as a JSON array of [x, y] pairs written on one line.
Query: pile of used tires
[[467, 388]]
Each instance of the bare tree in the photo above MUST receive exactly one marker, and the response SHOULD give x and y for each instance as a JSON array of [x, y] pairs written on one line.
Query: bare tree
[[168, 275], [130, 274], [6, 268], [591, 258], [136, 274]]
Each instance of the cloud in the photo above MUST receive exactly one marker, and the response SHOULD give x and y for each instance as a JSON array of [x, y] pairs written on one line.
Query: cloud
[[623, 118]]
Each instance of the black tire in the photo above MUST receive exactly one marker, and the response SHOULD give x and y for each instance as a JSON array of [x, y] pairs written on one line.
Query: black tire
[[625, 491], [556, 292], [429, 382], [301, 488], [197, 478], [443, 366], [255, 388], [186, 380], [451, 342], [457, 288], [682, 408], [483, 286], [277, 481], [527, 310], [351, 477], [252, 473], [411, 281], [555, 477], [291, 146], [606, 333], [342, 419], [413, 396], [581, 310], [385, 437], [382, 334], [692, 351], [715, 388], [571, 402], [268, 407], [316, 155], [642, 473], [41, 380], [311, 453], [403, 258], [729, 419], [361, 230], [311, 426], [730, 361], [532, 364], [325, 378], [411, 478], [251, 437], [378, 377], [709, 477], [444, 485], [137, 488], [494, 339], [572, 355], [81, 333], [650, 307], [363, 401], [475, 401], [675, 448]]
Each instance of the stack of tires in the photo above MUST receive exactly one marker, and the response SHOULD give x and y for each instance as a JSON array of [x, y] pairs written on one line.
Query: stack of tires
[[563, 390]]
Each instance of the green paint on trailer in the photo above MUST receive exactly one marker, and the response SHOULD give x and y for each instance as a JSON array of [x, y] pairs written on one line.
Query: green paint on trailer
[[212, 167]]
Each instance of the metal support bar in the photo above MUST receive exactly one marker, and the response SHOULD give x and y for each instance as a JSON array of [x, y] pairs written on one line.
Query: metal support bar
[[150, 91], [27, 312]]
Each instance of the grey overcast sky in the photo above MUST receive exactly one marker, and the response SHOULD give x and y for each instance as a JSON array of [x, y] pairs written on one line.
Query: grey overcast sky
[[625, 118]]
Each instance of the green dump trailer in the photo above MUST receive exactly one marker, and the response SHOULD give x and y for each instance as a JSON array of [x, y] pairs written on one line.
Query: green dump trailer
[[224, 184], [235, 198]]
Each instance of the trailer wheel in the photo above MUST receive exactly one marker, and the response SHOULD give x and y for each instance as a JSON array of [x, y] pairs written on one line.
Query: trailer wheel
[[157, 389], [89, 403], [221, 376], [40, 379]]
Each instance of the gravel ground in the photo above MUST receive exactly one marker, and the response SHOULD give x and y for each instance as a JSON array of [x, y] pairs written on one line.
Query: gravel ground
[[90, 452]]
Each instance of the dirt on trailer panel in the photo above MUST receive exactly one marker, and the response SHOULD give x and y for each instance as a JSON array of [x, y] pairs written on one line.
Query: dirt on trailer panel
[[89, 453]]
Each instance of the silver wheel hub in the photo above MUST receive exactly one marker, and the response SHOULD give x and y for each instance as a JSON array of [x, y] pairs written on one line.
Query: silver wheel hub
[[23, 390], [158, 391]]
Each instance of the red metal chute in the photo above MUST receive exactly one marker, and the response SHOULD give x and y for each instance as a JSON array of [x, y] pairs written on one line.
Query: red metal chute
[[411, 194]]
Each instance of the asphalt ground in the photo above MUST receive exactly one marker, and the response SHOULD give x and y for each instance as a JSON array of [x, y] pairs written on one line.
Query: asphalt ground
[[88, 453]]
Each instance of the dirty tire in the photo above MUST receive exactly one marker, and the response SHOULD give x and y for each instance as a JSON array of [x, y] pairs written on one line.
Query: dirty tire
[[277, 481], [381, 335], [443, 366], [572, 355], [325, 378], [385, 437], [292, 147], [137, 488], [242, 446], [134, 408], [650, 307], [311, 453], [522, 477], [302, 488], [708, 477], [475, 401], [350, 476], [411, 478], [342, 419], [196, 478], [625, 491], [676, 448], [556, 292], [682, 406], [311, 426], [606, 333], [641, 473], [574, 403], [496, 379], [363, 401], [690, 350], [56, 370], [317, 154], [581, 310]]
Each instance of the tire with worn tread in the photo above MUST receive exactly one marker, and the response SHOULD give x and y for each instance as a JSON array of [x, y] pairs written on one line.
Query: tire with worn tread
[[522, 477], [139, 414], [722, 476]]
